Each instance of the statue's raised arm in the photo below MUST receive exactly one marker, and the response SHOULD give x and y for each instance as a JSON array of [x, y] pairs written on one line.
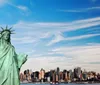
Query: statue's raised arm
[[10, 62]]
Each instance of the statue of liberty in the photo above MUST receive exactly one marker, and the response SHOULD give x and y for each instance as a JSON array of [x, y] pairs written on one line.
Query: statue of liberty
[[10, 62]]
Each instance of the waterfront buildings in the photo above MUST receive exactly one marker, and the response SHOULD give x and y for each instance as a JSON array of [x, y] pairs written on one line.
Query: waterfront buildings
[[56, 75]]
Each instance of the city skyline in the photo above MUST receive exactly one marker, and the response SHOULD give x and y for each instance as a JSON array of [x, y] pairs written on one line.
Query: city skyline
[[61, 70], [58, 76], [55, 33]]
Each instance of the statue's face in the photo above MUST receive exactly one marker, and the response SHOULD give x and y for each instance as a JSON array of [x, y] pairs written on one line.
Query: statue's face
[[6, 35]]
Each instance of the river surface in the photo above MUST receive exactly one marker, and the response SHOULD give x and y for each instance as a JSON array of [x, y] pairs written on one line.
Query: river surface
[[62, 84]]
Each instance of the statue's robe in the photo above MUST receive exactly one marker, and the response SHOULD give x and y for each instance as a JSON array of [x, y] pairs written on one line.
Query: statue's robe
[[10, 63]]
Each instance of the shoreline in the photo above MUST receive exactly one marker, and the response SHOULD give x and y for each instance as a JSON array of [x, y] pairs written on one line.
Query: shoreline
[[60, 83]]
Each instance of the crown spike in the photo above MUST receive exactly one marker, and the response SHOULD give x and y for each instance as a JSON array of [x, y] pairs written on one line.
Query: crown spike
[[2, 28], [10, 28], [12, 33], [6, 27]]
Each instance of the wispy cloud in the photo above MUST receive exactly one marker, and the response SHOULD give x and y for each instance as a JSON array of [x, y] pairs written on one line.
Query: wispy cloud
[[45, 62], [73, 57], [30, 52], [94, 63], [79, 51], [59, 38], [81, 10], [81, 54], [40, 30], [23, 40], [64, 26], [93, 0], [20, 7], [2, 2], [24, 8]]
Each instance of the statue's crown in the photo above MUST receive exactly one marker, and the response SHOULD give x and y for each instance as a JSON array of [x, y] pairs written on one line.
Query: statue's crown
[[7, 29]]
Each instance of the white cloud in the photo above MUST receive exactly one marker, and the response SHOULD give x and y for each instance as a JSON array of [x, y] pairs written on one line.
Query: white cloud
[[59, 38], [64, 26], [85, 54], [2, 2], [44, 62], [93, 0], [82, 10], [24, 40], [44, 30], [30, 52], [20, 7], [73, 57], [45, 35], [24, 8]]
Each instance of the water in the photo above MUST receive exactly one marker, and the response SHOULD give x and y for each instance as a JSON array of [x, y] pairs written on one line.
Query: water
[[61, 84]]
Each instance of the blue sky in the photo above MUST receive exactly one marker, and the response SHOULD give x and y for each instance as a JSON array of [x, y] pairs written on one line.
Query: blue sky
[[55, 33]]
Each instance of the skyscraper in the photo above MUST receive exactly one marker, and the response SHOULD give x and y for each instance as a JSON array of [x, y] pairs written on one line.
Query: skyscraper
[[57, 74]]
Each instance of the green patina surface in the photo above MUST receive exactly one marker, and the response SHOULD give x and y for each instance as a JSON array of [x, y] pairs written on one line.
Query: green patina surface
[[10, 62]]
